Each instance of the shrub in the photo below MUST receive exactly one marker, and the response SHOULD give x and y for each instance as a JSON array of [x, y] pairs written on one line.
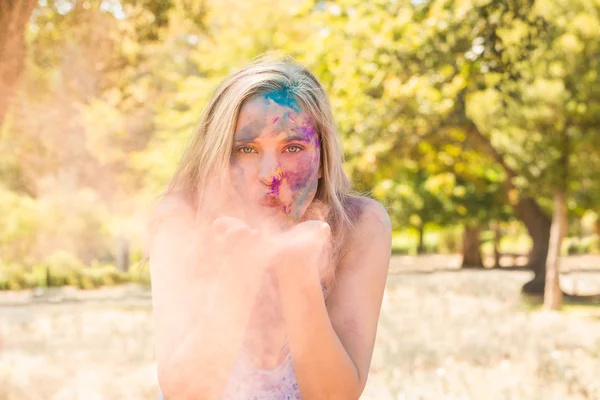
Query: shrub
[[590, 245], [12, 277], [18, 226], [99, 274], [140, 273], [62, 269]]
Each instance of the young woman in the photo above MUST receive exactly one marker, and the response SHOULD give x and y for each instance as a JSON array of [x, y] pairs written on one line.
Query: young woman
[[267, 274]]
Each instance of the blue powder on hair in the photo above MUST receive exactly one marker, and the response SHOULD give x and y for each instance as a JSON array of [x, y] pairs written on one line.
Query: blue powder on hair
[[285, 98]]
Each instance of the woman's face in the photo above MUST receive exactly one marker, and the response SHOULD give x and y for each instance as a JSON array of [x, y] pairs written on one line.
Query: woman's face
[[276, 155]]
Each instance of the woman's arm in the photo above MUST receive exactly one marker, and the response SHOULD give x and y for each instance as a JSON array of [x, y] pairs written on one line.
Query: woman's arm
[[332, 346], [196, 343]]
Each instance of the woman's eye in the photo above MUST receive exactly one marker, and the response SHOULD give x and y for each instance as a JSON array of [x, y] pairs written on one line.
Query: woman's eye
[[294, 149], [246, 150]]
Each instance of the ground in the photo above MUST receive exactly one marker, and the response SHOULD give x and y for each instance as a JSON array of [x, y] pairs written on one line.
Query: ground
[[446, 335]]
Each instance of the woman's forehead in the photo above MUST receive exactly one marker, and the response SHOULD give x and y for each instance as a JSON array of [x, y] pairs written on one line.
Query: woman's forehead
[[269, 113], [271, 102]]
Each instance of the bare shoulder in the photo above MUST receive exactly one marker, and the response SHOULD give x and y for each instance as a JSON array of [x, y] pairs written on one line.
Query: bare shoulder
[[173, 206], [171, 224], [371, 231], [370, 218]]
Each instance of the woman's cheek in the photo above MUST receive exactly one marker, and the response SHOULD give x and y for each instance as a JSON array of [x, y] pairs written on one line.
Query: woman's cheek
[[239, 177], [302, 180]]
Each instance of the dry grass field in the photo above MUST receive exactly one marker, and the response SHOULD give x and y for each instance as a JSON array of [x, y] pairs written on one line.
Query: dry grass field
[[445, 335]]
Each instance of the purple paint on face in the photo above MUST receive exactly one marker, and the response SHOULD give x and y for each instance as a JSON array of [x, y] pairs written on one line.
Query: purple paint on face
[[308, 133], [275, 185], [303, 179], [303, 183], [275, 119]]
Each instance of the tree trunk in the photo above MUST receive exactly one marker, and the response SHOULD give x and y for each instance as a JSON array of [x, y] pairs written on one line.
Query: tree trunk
[[497, 237], [122, 253], [14, 16], [530, 213], [470, 248], [421, 243], [553, 293], [538, 227]]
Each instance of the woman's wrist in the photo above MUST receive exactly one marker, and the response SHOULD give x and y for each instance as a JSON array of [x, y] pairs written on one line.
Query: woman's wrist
[[297, 273]]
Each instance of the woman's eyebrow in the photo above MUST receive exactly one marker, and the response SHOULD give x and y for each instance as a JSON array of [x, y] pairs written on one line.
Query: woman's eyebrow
[[243, 140], [291, 138], [248, 133], [300, 138]]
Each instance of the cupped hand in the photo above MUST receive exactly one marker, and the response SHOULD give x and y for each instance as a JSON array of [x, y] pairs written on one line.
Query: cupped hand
[[306, 246], [237, 244]]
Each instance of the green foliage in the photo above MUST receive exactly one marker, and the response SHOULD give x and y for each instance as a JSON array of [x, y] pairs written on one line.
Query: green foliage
[[399, 99], [11, 278], [63, 269], [444, 105], [444, 240], [140, 273], [19, 220], [578, 246], [450, 241], [99, 275]]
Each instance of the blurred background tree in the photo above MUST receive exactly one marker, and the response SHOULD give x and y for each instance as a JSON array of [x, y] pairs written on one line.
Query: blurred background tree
[[508, 80]]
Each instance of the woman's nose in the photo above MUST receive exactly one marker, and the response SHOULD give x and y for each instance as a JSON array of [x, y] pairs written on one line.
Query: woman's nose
[[269, 171]]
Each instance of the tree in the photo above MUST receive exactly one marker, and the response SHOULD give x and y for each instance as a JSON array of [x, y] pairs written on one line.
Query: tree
[[14, 16], [550, 108], [433, 67], [85, 101]]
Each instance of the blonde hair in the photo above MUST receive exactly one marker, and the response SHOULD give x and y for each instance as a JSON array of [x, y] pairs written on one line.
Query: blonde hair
[[210, 148]]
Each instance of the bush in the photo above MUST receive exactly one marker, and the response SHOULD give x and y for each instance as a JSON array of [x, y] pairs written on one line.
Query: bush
[[140, 273], [577, 246], [403, 243], [590, 245], [61, 269], [18, 226], [12, 277], [99, 274]]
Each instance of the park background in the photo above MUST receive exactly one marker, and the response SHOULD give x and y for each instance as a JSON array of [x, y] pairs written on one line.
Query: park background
[[475, 122]]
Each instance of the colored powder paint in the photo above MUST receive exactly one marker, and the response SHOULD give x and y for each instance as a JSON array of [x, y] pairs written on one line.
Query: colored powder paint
[[285, 98], [276, 182]]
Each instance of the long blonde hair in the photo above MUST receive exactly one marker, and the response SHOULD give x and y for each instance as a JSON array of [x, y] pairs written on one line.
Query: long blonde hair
[[211, 145]]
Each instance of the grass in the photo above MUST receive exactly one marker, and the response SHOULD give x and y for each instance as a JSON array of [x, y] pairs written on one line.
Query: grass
[[584, 307], [471, 335], [441, 336]]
